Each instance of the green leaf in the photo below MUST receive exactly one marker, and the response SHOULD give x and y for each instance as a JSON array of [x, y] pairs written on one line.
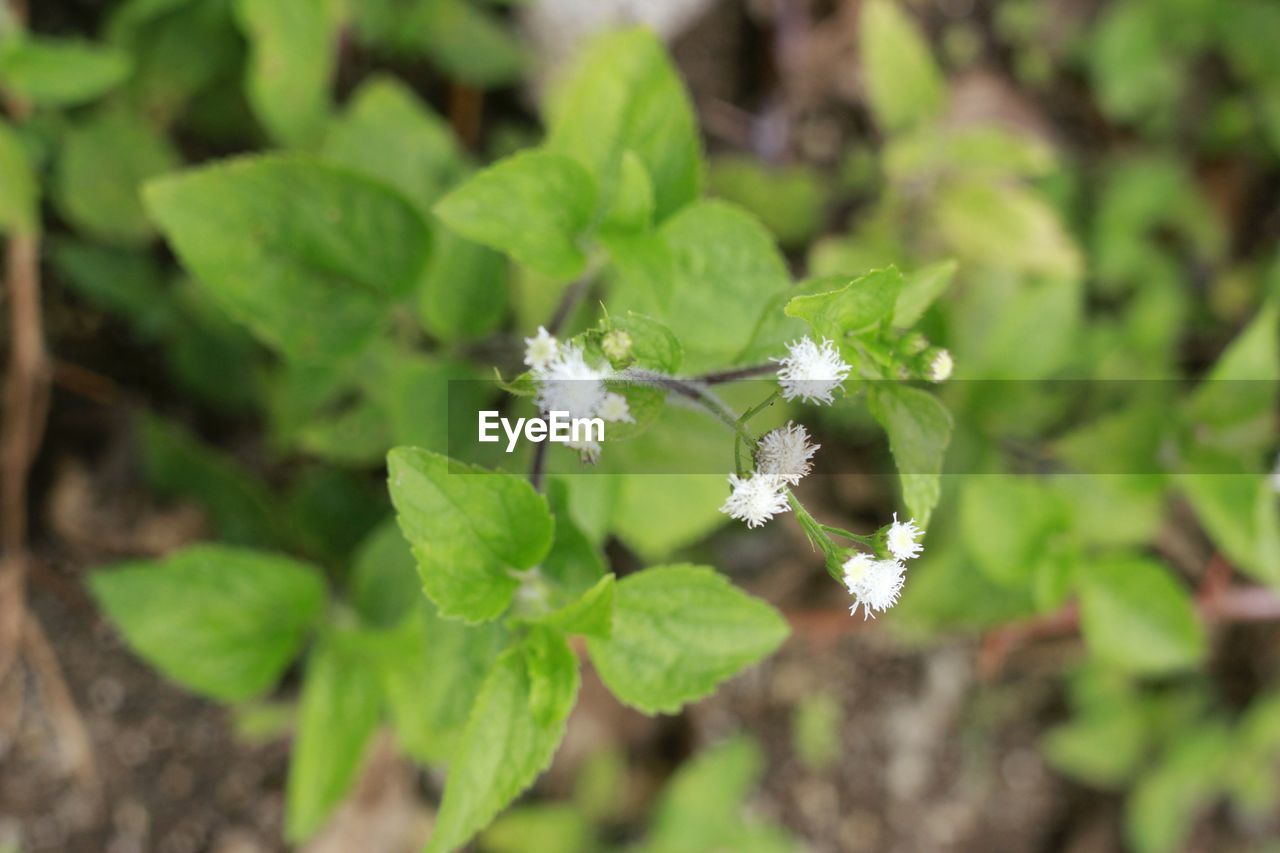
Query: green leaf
[[1135, 616], [1238, 512], [919, 429], [591, 614], [709, 275], [789, 200], [340, 706], [652, 344], [514, 727], [431, 670], [703, 806], [19, 191], [391, 136], [1005, 227], [678, 631], [1102, 747], [464, 291], [554, 826], [59, 72], [904, 85], [857, 307], [1241, 391], [534, 206], [239, 505], [469, 528], [293, 55], [464, 40], [625, 95], [1166, 802], [307, 255], [101, 169], [224, 622], [919, 290], [1008, 554], [384, 585]]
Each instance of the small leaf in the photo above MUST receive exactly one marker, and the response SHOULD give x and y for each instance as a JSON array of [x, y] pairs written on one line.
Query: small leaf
[[678, 631], [857, 307], [391, 136], [709, 275], [293, 54], [469, 528], [919, 429], [101, 168], [625, 95], [431, 670], [57, 72], [340, 705], [534, 206], [307, 255], [919, 290], [904, 85], [513, 730], [221, 621], [1136, 616]]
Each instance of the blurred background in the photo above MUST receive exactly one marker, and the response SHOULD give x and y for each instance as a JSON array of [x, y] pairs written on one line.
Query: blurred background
[[1106, 176]]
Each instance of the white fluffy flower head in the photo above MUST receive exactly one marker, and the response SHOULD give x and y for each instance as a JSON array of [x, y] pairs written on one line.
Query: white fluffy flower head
[[786, 453], [941, 366], [874, 584], [614, 408], [755, 499], [540, 349], [568, 384], [812, 372], [901, 539]]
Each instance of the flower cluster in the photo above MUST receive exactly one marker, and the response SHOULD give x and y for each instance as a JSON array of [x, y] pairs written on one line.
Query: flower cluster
[[567, 383], [875, 584], [812, 372], [782, 458]]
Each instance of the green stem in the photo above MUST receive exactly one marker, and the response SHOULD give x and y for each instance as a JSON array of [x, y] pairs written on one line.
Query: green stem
[[817, 535], [869, 541]]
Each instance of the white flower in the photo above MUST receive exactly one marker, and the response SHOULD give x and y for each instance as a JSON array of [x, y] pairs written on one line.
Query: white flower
[[614, 408], [785, 453], [941, 366], [588, 450], [540, 349], [755, 499], [874, 584], [811, 371], [568, 384], [901, 539]]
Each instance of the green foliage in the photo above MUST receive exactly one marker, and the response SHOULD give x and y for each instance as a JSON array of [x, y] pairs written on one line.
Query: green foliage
[[308, 256], [512, 731], [623, 96], [291, 63], [101, 168], [1135, 616], [903, 84], [678, 631], [337, 713], [535, 206], [59, 73], [469, 530], [220, 621]]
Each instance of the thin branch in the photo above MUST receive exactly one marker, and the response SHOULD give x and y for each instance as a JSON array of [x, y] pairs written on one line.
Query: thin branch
[[723, 376]]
